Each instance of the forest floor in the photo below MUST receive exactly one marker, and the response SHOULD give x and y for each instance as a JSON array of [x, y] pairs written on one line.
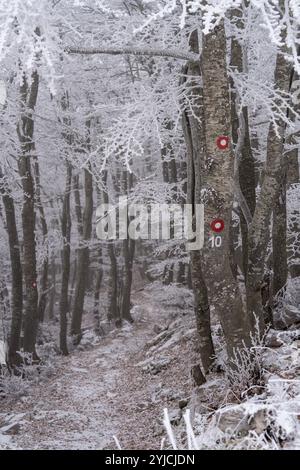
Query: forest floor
[[110, 389]]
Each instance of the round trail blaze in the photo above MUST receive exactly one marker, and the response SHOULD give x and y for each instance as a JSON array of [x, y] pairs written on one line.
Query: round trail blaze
[[217, 225], [222, 142]]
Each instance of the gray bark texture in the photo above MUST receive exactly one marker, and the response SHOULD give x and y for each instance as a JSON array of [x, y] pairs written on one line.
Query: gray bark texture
[[16, 271], [218, 191], [66, 252], [270, 192], [25, 131], [193, 127], [83, 259]]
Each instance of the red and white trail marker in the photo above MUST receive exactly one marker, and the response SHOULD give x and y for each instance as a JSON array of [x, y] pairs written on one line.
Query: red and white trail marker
[[222, 142], [217, 225]]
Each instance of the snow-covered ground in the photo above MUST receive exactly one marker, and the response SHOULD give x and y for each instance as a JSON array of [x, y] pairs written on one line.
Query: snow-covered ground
[[110, 389], [114, 390]]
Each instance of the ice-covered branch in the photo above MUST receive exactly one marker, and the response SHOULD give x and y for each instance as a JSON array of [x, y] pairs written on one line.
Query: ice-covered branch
[[133, 51]]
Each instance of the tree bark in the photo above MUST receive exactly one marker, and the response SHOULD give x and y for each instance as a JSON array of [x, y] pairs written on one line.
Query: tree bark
[[293, 240], [128, 254], [83, 253], [45, 264], [78, 209], [25, 131], [223, 290], [293, 178], [193, 127], [16, 271], [52, 296], [258, 230], [66, 251], [113, 309], [241, 139], [279, 240], [99, 276]]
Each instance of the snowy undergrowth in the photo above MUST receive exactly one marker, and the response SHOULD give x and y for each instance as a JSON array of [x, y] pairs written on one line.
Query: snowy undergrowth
[[254, 405], [261, 408], [14, 386], [227, 412], [266, 423]]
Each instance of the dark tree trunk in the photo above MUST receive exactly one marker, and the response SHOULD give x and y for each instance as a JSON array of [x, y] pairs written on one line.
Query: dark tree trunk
[[66, 250], [45, 265], [113, 308], [73, 275], [83, 256], [293, 178], [279, 241], [16, 270], [293, 242], [194, 137], [128, 254], [270, 189], [168, 174], [99, 276], [241, 139], [113, 313], [52, 295], [25, 133], [78, 209]]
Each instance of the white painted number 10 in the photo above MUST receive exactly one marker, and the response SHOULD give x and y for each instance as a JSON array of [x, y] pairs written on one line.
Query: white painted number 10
[[216, 242]]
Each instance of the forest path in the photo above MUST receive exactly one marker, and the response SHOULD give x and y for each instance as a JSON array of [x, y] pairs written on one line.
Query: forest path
[[99, 393]]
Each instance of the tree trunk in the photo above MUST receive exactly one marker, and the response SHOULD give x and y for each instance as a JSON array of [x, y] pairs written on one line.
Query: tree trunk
[[128, 254], [241, 139], [45, 265], [73, 275], [16, 270], [168, 273], [99, 276], [83, 256], [258, 230], [279, 240], [223, 290], [66, 250], [25, 133], [78, 209], [292, 182], [293, 241], [194, 137], [52, 295], [113, 309]]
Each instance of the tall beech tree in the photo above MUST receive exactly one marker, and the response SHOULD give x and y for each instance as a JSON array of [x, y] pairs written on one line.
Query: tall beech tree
[[16, 271], [25, 130], [270, 188], [193, 126], [218, 189], [83, 251]]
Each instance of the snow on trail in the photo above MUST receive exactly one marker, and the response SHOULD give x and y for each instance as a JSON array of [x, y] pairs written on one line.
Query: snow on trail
[[98, 393]]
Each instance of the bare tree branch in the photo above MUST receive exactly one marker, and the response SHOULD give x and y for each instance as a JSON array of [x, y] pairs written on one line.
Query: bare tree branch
[[133, 51]]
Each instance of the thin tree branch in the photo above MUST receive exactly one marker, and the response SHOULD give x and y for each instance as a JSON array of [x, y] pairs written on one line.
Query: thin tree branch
[[133, 51]]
